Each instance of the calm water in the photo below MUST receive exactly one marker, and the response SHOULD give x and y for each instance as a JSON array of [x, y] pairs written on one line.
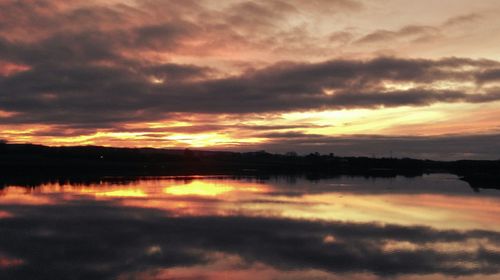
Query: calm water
[[432, 227]]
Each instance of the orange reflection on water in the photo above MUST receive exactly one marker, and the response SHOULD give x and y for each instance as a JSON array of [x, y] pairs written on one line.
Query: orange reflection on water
[[211, 188], [201, 197], [436, 210], [200, 188], [116, 193], [318, 202], [197, 196], [20, 195], [155, 188]]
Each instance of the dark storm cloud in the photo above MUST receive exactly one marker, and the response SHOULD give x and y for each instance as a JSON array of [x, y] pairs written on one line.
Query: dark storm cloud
[[100, 240], [176, 72], [49, 17], [490, 75], [88, 46], [73, 92]]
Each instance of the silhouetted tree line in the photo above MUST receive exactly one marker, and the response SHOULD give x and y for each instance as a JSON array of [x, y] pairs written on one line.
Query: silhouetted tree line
[[34, 161]]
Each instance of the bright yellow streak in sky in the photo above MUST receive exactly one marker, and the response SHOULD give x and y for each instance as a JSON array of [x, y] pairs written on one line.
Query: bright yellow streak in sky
[[208, 139], [363, 121], [230, 133], [200, 140]]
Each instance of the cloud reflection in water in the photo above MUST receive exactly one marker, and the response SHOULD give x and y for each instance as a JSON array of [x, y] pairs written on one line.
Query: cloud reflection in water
[[113, 237]]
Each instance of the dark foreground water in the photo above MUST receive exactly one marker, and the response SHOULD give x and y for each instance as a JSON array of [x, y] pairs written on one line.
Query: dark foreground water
[[432, 227]]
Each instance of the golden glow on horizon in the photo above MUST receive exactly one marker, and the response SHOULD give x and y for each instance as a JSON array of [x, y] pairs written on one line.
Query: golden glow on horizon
[[433, 120], [199, 140], [208, 139]]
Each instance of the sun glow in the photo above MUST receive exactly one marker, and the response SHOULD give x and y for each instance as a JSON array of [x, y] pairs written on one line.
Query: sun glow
[[208, 139]]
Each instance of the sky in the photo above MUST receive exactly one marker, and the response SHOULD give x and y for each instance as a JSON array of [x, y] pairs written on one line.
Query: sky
[[352, 77]]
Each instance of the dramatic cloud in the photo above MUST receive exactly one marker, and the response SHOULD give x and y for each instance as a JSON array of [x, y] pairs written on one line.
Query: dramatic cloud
[[75, 94], [76, 239], [69, 68]]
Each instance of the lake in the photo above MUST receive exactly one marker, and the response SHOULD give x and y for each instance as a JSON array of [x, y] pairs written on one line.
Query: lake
[[223, 227]]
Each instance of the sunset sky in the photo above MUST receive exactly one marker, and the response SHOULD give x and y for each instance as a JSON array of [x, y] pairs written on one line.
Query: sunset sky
[[352, 77]]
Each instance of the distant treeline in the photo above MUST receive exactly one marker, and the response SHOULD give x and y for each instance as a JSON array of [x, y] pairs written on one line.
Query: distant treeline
[[28, 162]]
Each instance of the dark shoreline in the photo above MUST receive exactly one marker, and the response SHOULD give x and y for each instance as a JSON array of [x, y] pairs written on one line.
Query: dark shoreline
[[30, 165]]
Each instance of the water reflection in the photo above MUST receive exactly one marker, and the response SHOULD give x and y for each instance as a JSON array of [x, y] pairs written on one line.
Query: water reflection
[[433, 227], [211, 188]]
